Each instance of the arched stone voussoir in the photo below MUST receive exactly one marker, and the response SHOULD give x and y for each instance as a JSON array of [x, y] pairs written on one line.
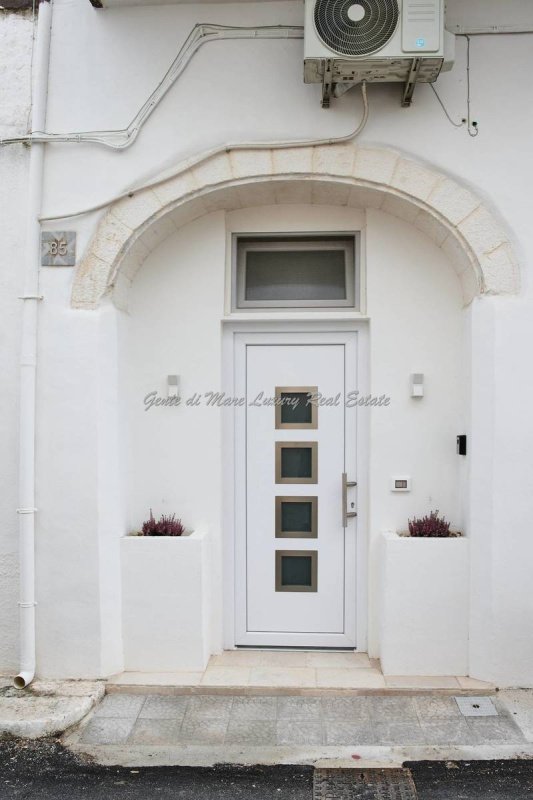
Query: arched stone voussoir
[[345, 174]]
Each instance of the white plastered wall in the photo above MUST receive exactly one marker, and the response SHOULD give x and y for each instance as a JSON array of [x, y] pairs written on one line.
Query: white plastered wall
[[174, 460], [78, 491], [128, 50]]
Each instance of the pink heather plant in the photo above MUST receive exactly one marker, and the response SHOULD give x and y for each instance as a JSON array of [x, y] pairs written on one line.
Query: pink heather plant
[[429, 526], [166, 525]]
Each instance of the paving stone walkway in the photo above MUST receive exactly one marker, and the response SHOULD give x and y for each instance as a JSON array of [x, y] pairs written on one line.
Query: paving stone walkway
[[270, 721]]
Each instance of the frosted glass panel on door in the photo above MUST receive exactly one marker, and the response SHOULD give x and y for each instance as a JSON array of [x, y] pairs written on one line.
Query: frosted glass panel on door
[[296, 517], [295, 275], [296, 570], [296, 407], [296, 462]]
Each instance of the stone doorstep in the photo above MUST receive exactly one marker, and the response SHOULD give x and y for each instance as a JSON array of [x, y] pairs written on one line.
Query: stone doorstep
[[257, 672], [282, 691]]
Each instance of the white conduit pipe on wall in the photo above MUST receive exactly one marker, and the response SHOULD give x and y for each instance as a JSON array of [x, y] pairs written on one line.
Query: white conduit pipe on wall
[[121, 139], [202, 33], [28, 356], [287, 144]]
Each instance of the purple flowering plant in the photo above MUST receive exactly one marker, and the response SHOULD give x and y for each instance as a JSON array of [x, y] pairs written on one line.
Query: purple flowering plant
[[166, 525], [430, 526]]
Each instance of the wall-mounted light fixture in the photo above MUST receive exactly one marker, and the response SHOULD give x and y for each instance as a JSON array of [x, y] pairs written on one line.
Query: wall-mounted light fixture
[[417, 384], [173, 385]]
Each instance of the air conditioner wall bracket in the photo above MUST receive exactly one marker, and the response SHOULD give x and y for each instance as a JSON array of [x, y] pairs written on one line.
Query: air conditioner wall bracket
[[327, 83], [410, 83]]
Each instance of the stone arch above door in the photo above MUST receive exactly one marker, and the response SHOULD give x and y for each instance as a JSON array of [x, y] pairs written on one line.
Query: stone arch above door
[[457, 220]]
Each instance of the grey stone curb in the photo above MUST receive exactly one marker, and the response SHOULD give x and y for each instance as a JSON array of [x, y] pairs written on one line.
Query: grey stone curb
[[342, 757], [46, 708]]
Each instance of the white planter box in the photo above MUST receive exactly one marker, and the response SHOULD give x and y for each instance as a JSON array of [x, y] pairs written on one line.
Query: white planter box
[[424, 605], [165, 602]]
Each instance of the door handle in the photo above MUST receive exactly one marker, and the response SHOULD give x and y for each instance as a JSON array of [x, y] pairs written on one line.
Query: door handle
[[346, 515]]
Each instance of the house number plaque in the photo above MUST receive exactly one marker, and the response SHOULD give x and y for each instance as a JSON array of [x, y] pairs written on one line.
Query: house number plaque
[[58, 248]]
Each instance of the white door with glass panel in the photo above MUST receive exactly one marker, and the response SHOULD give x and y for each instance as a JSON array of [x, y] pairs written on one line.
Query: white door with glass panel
[[296, 490]]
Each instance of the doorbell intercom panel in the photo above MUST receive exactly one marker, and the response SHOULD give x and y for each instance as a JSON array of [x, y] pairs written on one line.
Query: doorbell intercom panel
[[400, 483]]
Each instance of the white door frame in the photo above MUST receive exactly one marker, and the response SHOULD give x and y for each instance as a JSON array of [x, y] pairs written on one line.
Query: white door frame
[[228, 455]]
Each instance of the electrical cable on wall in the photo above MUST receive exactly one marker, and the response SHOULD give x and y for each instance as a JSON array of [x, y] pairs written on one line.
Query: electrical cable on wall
[[455, 124], [227, 148], [123, 138], [202, 33], [472, 126]]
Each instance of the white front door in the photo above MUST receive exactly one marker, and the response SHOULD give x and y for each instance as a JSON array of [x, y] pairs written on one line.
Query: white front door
[[296, 523]]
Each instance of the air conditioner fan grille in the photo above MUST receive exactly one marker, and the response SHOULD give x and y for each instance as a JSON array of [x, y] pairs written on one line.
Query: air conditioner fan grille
[[340, 33]]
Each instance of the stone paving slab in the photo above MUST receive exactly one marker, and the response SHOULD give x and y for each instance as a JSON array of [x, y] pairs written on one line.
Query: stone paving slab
[[255, 708], [106, 730], [519, 704], [121, 706], [157, 707]]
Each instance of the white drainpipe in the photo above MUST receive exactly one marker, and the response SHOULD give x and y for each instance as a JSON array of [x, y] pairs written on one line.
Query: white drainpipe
[[28, 354]]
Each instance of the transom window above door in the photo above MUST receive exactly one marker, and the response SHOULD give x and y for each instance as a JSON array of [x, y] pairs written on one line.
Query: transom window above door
[[296, 271]]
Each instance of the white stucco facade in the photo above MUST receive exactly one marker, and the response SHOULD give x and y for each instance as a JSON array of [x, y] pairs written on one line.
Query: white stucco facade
[[423, 624], [448, 248]]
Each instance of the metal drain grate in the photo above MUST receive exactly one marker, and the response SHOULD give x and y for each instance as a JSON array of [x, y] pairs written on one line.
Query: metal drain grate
[[363, 784], [476, 707]]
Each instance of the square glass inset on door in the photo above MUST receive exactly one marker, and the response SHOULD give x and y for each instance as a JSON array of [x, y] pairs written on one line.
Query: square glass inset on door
[[296, 407], [296, 570], [296, 517], [296, 462]]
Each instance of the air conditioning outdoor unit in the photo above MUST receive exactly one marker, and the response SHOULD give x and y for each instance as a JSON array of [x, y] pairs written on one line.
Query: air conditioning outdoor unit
[[348, 42]]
